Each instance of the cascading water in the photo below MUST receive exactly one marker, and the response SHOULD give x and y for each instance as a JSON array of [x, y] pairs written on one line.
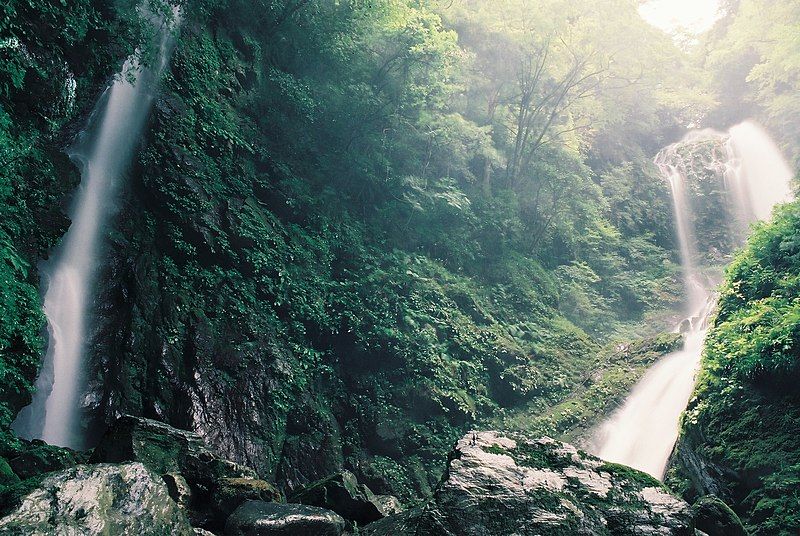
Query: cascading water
[[104, 153], [755, 177]]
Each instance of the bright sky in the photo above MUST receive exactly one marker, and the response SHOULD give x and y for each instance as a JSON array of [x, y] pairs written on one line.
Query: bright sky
[[694, 16]]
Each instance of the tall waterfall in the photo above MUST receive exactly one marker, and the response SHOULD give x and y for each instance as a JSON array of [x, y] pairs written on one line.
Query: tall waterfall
[[104, 153], [755, 178]]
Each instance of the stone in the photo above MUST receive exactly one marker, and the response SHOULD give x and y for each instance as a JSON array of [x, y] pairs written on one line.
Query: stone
[[343, 494], [512, 484], [715, 518], [206, 485], [164, 449], [102, 499], [230, 493], [41, 458], [258, 518], [7, 475]]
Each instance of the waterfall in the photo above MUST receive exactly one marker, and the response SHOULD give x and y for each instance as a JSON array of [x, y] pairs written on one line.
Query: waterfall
[[104, 152], [755, 178]]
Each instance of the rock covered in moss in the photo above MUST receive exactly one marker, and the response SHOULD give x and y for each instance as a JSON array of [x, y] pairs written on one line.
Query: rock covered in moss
[[512, 484], [7, 475], [41, 458], [343, 494], [208, 486], [230, 493], [98, 500], [164, 449], [715, 518], [258, 518]]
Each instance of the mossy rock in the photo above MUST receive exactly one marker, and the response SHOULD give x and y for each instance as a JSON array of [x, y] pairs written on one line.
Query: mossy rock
[[715, 518], [507, 483], [41, 458], [7, 475]]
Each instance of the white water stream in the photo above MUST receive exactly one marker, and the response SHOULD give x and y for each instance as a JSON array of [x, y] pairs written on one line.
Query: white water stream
[[104, 154], [643, 431]]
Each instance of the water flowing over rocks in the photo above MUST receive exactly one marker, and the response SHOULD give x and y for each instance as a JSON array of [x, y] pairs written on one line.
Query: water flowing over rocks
[[510, 484], [102, 499]]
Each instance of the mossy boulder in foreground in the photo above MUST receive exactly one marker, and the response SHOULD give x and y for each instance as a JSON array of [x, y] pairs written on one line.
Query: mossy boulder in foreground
[[511, 484], [207, 485], [98, 500]]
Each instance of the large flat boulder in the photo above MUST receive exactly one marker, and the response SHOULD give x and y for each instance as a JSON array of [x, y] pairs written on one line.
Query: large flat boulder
[[512, 484], [103, 499], [258, 518]]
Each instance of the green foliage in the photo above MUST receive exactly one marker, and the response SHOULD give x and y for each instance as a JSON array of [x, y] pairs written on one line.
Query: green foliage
[[754, 57], [325, 203], [747, 403], [613, 373]]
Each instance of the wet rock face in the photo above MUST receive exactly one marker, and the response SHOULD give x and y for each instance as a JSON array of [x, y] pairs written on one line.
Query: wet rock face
[[705, 476], [256, 518], [511, 484], [98, 500], [344, 495], [164, 449]]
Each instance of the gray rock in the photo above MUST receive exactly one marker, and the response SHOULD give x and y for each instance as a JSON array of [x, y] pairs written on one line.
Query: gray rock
[[258, 518], [344, 495], [512, 484], [705, 476], [98, 500]]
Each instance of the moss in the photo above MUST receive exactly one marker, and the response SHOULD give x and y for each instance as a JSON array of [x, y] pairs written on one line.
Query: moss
[[632, 475], [11, 496], [7, 476]]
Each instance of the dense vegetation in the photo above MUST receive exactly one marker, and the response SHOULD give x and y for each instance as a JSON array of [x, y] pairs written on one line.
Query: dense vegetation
[[353, 218], [746, 407], [752, 58], [356, 228]]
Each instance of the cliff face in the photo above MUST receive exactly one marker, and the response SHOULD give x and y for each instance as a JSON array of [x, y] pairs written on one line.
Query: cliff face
[[289, 332]]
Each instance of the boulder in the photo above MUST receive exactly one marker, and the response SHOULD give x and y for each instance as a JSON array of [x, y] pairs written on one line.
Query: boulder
[[715, 518], [343, 494], [258, 518], [7, 475], [513, 484], [206, 485], [230, 493], [98, 500], [165, 449], [41, 458]]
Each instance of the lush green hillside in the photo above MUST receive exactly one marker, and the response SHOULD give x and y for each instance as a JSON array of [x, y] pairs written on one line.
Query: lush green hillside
[[350, 232], [741, 433]]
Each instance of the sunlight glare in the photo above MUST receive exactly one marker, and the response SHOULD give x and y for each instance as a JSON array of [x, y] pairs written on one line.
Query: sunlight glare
[[692, 16]]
